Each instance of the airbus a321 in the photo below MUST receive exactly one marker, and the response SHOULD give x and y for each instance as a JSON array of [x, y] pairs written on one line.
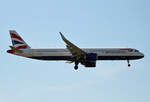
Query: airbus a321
[[72, 53]]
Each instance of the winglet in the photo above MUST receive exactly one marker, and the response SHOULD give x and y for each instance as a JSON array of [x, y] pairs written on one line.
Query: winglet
[[65, 40], [62, 36], [60, 33], [72, 48]]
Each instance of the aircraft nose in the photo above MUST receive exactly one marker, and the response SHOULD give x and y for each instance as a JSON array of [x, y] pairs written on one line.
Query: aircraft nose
[[142, 55]]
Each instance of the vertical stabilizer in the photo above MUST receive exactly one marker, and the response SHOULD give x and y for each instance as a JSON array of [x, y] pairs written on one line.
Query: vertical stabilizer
[[17, 41]]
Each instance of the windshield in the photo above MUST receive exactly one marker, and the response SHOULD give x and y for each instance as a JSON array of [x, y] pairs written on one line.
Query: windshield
[[133, 50], [136, 51]]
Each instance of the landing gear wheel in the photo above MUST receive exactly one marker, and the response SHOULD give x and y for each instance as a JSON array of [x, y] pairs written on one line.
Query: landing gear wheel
[[128, 63], [75, 67]]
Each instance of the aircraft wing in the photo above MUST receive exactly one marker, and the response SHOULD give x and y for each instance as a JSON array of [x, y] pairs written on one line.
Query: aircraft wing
[[75, 51]]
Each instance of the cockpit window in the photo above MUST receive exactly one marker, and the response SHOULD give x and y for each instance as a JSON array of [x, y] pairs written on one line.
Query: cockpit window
[[136, 51], [130, 50]]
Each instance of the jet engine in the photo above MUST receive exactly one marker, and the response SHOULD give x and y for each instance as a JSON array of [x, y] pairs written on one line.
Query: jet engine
[[90, 60]]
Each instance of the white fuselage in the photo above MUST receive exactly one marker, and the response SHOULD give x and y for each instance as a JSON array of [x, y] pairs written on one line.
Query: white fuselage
[[72, 53], [64, 54]]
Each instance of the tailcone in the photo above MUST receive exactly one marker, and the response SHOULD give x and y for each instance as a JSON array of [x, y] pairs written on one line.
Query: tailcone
[[10, 51]]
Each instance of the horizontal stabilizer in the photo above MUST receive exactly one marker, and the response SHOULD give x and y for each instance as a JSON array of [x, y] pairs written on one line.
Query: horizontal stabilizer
[[15, 49]]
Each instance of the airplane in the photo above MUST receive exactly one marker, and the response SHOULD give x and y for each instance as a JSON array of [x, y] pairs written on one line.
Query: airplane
[[72, 53]]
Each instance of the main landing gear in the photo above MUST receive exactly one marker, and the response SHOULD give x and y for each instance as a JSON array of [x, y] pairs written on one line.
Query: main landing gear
[[128, 63], [76, 65]]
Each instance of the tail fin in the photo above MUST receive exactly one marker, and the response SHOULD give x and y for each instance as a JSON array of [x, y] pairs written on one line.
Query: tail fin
[[17, 41]]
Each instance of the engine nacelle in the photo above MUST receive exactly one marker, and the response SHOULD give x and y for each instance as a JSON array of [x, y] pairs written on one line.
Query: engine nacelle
[[90, 60], [91, 57]]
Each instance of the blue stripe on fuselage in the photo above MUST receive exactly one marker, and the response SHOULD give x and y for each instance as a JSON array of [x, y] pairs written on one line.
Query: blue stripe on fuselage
[[119, 57], [52, 57], [99, 57]]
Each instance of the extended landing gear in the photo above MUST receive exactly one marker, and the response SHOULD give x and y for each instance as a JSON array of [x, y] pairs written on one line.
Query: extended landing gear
[[128, 63], [76, 65]]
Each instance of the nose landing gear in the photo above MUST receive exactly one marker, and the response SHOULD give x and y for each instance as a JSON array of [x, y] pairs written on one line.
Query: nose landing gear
[[128, 63], [76, 65]]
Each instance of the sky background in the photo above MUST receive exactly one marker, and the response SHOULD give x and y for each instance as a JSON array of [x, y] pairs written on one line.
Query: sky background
[[87, 23]]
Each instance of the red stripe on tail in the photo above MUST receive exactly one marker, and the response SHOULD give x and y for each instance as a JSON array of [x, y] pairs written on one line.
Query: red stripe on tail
[[15, 36], [22, 47]]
